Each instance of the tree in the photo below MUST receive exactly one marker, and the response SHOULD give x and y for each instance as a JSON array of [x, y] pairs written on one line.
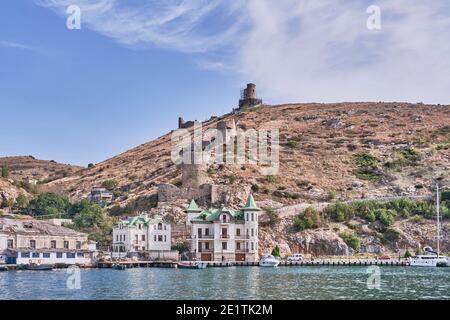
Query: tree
[[49, 204], [5, 171], [351, 239], [276, 251], [94, 220], [408, 254], [22, 201], [110, 184], [90, 165], [308, 219]]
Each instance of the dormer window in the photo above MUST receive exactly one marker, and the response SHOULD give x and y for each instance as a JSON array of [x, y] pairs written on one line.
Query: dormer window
[[160, 226], [224, 218]]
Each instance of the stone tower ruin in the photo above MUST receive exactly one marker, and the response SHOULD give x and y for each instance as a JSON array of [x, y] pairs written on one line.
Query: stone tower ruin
[[249, 97]]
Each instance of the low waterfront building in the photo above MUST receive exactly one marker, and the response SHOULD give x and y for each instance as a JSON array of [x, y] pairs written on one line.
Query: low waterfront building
[[143, 236], [223, 234], [101, 196], [31, 241]]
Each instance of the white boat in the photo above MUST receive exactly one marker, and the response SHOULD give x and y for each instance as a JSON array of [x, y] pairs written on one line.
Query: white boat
[[192, 265], [431, 258], [269, 261]]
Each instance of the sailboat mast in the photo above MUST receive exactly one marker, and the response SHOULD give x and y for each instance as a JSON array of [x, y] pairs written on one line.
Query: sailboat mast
[[437, 217]]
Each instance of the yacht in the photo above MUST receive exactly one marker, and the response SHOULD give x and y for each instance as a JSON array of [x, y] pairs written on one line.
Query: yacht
[[269, 261], [431, 258]]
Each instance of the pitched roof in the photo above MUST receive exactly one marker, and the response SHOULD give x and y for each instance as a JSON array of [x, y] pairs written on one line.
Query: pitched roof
[[193, 207], [251, 204], [133, 221]]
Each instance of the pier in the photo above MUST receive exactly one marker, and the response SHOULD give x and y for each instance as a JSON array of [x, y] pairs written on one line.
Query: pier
[[331, 263]]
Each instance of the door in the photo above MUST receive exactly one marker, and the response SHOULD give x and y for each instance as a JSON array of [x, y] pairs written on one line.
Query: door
[[206, 257], [240, 256]]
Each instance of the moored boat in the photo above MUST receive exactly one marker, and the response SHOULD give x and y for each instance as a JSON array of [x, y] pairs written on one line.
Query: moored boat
[[39, 267], [117, 266], [192, 265], [3, 268], [269, 261]]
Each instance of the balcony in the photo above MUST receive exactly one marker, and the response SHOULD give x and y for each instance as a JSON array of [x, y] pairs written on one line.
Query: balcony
[[224, 236], [242, 250], [206, 236], [200, 250], [242, 237]]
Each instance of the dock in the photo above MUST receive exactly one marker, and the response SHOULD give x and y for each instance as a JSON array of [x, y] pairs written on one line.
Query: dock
[[331, 263]]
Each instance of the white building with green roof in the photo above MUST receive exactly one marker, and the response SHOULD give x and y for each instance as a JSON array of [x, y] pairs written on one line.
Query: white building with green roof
[[223, 234], [141, 234]]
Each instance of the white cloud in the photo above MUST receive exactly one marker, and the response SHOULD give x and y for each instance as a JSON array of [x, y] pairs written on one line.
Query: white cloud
[[15, 45], [296, 50]]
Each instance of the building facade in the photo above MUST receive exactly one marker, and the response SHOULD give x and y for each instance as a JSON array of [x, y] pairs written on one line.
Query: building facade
[[140, 234], [32, 241], [101, 196], [223, 234]]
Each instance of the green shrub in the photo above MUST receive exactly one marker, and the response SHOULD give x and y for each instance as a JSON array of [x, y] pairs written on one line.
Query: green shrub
[[385, 216], [308, 219], [417, 219], [391, 235], [332, 195], [339, 212], [292, 144], [368, 167], [351, 239], [273, 216], [408, 254], [276, 251], [5, 171], [110, 184], [22, 201]]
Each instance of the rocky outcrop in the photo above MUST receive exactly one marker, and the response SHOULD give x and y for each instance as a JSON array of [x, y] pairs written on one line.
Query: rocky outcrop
[[320, 243]]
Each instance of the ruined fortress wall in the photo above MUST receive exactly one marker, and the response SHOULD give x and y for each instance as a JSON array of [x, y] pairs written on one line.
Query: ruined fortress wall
[[193, 175]]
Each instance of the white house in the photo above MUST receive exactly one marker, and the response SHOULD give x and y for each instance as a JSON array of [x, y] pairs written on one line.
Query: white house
[[142, 234], [31, 241], [223, 234]]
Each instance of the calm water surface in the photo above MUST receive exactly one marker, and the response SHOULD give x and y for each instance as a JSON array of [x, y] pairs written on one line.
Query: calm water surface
[[230, 283]]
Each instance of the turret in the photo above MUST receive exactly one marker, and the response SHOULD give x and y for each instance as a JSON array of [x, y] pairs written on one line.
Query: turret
[[251, 218]]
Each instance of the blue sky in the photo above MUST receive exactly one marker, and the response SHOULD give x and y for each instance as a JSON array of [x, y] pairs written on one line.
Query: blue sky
[[81, 96]]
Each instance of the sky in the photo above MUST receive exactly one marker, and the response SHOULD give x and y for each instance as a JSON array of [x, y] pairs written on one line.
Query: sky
[[83, 96]]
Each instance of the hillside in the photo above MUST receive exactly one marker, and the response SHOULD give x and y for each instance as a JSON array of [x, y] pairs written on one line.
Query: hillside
[[24, 168], [328, 153], [317, 155]]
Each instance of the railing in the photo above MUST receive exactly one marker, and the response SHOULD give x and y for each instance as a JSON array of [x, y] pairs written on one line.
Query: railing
[[206, 236], [242, 237], [224, 236], [242, 250], [205, 250]]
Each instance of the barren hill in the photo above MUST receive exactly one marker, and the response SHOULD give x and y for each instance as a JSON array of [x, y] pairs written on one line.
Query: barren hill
[[27, 167], [324, 154]]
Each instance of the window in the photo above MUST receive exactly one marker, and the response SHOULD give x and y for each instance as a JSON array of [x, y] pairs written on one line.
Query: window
[[253, 217], [199, 232], [207, 245], [117, 238], [36, 255], [160, 238], [154, 238], [238, 246], [253, 246], [25, 254], [247, 233], [165, 227], [253, 232], [136, 237], [154, 227], [246, 217], [224, 233], [238, 232], [206, 232], [140, 226], [224, 246], [33, 244], [53, 244], [59, 255], [78, 245], [46, 255], [143, 237], [159, 226], [70, 255], [165, 238], [224, 218], [66, 244], [80, 255], [10, 243]]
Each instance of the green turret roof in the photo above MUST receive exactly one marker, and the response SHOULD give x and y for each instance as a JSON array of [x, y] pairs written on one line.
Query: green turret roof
[[193, 207], [251, 204]]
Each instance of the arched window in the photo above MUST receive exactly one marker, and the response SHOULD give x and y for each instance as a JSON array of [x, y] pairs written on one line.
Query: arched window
[[160, 226]]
